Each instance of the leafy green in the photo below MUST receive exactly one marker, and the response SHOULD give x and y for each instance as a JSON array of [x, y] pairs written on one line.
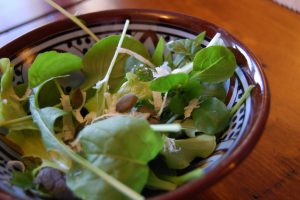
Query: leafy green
[[185, 49], [30, 142], [211, 117], [158, 54], [97, 60], [214, 64], [194, 89], [25, 179], [188, 149], [143, 72], [51, 64], [49, 100], [177, 104], [10, 107], [134, 86], [166, 83], [45, 119], [189, 128], [122, 146], [154, 182], [189, 176]]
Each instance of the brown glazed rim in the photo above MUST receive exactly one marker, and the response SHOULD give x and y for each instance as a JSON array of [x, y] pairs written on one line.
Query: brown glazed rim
[[261, 95]]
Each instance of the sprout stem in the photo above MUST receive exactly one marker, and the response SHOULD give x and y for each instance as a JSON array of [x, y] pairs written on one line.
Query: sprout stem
[[73, 18], [241, 101], [166, 127]]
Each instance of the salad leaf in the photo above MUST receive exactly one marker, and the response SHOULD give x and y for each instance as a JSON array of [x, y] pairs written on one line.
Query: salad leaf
[[189, 176], [134, 86], [155, 182], [188, 149], [10, 107], [158, 54], [166, 83], [140, 69], [185, 49], [214, 64], [97, 60], [194, 89], [211, 117], [30, 142], [51, 64], [24, 180], [177, 104], [45, 119], [103, 144], [22, 123]]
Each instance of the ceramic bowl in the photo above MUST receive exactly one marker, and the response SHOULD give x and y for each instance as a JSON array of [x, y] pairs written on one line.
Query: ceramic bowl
[[147, 26]]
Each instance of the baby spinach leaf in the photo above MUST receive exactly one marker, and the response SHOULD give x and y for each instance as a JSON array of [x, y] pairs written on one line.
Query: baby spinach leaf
[[177, 104], [188, 149], [122, 146], [45, 119], [52, 64], [158, 54], [211, 117], [166, 83], [214, 64], [195, 89], [98, 58]]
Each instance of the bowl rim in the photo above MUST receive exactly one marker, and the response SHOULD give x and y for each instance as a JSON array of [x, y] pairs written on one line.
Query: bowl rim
[[179, 20]]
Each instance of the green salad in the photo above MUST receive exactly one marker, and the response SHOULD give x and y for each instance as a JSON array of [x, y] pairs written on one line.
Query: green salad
[[135, 123]]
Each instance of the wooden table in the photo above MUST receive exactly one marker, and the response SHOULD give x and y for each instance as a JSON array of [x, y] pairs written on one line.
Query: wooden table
[[272, 171]]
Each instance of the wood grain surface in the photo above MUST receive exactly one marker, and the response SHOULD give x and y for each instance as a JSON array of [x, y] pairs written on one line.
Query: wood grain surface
[[272, 32]]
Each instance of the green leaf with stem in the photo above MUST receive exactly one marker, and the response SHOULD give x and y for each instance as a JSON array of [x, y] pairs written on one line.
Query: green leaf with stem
[[158, 54], [166, 83], [180, 180], [242, 100], [214, 64], [45, 119]]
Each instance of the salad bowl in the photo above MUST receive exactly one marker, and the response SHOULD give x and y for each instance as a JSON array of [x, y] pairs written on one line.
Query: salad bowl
[[147, 26]]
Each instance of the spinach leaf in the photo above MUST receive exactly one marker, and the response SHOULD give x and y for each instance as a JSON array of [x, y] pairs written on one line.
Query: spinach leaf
[[188, 149], [195, 89], [45, 119], [122, 146], [98, 58], [214, 64], [166, 83], [52, 64], [177, 104], [211, 117], [158, 54]]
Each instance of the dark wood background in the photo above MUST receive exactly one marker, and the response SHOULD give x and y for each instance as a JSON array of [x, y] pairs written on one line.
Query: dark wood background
[[272, 32]]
